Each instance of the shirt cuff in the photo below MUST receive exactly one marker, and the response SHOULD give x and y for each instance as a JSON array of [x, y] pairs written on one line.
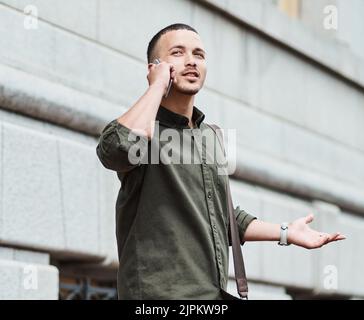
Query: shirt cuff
[[115, 147], [126, 137], [243, 220]]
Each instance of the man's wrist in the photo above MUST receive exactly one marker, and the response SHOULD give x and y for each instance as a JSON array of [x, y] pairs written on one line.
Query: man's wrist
[[159, 86]]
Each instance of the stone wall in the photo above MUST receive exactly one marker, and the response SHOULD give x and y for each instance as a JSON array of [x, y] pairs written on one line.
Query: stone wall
[[294, 94]]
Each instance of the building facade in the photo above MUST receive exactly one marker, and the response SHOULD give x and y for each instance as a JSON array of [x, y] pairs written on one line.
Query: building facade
[[288, 75]]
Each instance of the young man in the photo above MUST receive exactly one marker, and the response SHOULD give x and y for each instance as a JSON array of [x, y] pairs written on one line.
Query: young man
[[171, 219]]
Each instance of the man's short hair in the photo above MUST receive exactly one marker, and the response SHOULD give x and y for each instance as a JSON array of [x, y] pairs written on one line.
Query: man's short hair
[[156, 37]]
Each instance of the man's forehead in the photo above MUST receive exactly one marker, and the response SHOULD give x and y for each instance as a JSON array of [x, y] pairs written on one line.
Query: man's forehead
[[182, 38]]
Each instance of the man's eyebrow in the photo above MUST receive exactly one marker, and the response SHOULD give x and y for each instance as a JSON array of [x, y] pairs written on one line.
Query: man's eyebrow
[[183, 47]]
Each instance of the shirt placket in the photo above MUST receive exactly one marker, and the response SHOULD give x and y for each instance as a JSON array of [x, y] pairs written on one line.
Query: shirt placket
[[209, 196]]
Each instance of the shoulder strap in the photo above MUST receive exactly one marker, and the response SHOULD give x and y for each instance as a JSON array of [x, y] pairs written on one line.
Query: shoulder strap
[[239, 268]]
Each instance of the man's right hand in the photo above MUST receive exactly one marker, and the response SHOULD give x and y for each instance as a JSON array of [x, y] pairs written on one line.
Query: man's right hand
[[160, 74]]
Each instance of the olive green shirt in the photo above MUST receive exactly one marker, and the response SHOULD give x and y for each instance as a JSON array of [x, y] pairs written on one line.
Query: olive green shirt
[[171, 218]]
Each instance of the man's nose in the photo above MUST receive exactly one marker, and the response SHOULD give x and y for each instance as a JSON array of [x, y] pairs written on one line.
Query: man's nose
[[190, 60]]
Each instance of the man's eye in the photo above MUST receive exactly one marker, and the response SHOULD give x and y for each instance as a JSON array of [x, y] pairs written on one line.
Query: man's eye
[[177, 52]]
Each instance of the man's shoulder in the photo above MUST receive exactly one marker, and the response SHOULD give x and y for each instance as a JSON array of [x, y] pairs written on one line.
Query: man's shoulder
[[209, 126]]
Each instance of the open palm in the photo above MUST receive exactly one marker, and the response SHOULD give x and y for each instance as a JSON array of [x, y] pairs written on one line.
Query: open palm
[[300, 234]]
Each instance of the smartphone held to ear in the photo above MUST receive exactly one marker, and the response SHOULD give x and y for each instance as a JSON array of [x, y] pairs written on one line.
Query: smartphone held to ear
[[157, 61]]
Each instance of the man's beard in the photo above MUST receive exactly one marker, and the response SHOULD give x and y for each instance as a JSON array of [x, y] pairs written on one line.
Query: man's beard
[[186, 90]]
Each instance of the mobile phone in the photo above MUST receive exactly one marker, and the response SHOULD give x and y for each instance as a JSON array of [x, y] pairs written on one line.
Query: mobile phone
[[157, 61]]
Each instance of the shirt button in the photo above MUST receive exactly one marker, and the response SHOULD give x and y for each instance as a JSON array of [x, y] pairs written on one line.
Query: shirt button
[[209, 195]]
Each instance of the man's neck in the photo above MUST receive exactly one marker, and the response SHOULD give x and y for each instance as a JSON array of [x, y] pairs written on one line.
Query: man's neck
[[182, 105]]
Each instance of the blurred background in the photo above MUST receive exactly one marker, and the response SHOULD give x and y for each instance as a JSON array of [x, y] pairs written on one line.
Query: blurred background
[[287, 74]]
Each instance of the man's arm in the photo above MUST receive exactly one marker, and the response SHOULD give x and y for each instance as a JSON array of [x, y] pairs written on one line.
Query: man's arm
[[299, 233], [120, 135], [140, 118], [259, 230]]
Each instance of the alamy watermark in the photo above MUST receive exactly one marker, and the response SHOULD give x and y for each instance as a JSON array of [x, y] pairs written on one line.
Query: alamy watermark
[[330, 278], [331, 17], [30, 277], [193, 146], [31, 17]]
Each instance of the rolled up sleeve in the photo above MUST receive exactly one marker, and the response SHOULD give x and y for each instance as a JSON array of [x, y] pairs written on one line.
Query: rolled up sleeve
[[115, 146], [243, 220]]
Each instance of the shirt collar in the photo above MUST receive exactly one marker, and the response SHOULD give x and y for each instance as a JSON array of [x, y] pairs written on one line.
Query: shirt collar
[[176, 120]]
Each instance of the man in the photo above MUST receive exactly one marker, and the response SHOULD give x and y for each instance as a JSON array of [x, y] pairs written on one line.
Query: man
[[171, 219]]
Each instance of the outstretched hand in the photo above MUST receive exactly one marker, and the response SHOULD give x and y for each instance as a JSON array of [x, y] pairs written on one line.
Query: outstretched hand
[[300, 234]]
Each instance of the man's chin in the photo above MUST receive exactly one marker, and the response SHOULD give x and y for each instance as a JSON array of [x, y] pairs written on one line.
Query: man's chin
[[188, 91]]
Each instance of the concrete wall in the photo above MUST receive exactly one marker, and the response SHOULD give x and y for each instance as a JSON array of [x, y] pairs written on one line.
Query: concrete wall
[[27, 275], [350, 28], [294, 93]]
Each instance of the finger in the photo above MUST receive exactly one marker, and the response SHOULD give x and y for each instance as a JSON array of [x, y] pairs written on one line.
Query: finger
[[331, 237], [174, 75], [321, 242], [340, 237], [309, 218], [325, 236], [151, 66], [336, 236]]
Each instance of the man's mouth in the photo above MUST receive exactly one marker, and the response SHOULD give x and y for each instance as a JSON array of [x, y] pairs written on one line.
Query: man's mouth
[[193, 75]]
